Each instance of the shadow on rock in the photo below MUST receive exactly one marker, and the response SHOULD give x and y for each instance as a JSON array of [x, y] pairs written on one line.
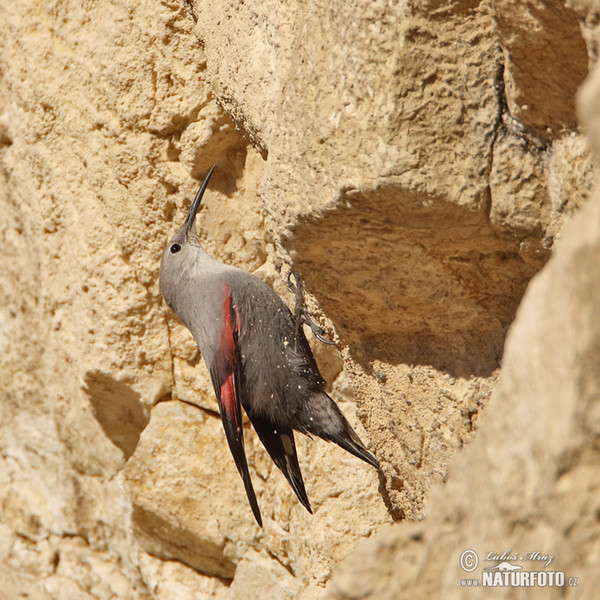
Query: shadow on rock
[[118, 410], [411, 280]]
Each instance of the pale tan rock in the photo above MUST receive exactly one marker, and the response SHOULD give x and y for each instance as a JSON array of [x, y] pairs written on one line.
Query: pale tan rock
[[172, 580], [182, 491], [533, 456], [256, 572], [16, 585], [529, 480], [547, 59]]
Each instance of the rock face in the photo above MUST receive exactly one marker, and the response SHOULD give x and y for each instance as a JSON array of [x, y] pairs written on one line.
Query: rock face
[[415, 162], [529, 480]]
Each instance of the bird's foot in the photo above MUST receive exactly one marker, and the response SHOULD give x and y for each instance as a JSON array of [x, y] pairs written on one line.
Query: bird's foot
[[301, 315], [318, 331]]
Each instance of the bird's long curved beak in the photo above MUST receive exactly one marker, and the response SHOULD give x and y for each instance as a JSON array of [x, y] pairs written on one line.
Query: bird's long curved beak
[[191, 216]]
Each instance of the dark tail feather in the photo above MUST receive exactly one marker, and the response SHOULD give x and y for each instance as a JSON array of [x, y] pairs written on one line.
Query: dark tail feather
[[279, 442], [323, 418], [251, 495], [236, 445], [351, 442]]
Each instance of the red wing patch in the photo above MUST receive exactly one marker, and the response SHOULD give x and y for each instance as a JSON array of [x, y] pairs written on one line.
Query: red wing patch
[[228, 358]]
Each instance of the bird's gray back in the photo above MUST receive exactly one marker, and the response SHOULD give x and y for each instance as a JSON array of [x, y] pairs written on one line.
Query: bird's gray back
[[277, 363]]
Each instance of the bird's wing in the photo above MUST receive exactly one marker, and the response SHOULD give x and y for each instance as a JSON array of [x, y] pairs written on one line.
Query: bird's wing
[[279, 442], [225, 372], [263, 319]]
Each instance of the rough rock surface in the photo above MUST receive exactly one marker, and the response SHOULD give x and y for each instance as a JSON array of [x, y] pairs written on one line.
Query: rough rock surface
[[416, 162], [530, 480]]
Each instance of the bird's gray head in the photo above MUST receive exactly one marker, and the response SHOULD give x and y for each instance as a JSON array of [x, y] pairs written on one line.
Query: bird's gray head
[[183, 249]]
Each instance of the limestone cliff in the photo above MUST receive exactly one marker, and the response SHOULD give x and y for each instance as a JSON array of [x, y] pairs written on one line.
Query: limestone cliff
[[416, 162]]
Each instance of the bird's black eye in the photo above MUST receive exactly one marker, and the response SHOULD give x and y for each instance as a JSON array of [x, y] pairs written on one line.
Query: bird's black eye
[[175, 248]]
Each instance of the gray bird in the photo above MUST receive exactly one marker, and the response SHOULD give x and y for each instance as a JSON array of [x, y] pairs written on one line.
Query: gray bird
[[257, 355]]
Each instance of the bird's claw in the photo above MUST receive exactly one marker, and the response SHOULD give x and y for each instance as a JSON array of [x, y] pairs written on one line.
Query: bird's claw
[[300, 312], [317, 330]]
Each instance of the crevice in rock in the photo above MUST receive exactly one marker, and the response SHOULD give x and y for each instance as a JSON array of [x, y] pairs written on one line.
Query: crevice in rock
[[208, 411], [74, 534], [502, 108]]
